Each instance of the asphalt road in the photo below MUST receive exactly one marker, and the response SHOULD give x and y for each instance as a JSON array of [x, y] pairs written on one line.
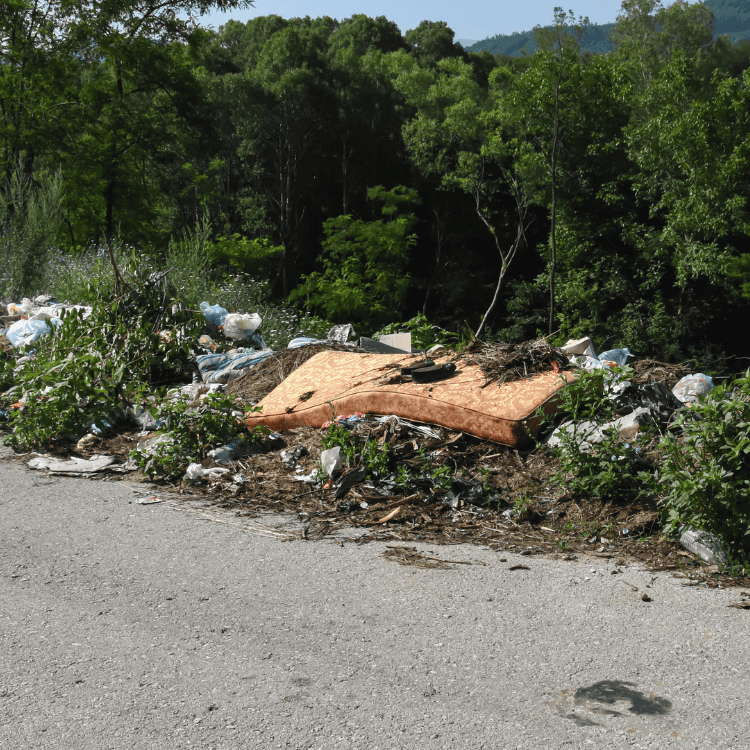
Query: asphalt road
[[145, 626]]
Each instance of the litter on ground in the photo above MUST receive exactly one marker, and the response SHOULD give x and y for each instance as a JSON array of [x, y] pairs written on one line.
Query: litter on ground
[[435, 448]]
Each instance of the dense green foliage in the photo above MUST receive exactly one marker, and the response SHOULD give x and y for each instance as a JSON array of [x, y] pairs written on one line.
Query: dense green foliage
[[564, 191], [192, 430], [696, 471], [705, 472]]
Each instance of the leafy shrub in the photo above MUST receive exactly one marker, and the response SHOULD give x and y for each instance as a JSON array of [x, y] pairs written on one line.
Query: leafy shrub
[[364, 277], [191, 433], [374, 456], [610, 469], [257, 257], [30, 218], [423, 334], [705, 469], [90, 368], [88, 277]]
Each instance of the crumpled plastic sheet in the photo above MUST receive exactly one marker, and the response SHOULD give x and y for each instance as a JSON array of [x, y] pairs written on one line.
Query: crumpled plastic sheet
[[692, 387], [224, 368], [196, 471], [704, 544], [656, 399], [420, 428], [356, 476], [342, 333], [25, 332], [465, 492], [76, 465]]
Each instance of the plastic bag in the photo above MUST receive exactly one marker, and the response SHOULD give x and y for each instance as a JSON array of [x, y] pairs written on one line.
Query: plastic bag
[[23, 308], [331, 460], [618, 356], [24, 332], [693, 387], [342, 333], [214, 313], [238, 326], [196, 471]]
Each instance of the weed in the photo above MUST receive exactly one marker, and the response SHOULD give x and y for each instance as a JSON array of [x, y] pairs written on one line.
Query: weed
[[705, 470], [611, 468], [191, 433], [90, 368], [30, 217], [336, 435], [521, 505]]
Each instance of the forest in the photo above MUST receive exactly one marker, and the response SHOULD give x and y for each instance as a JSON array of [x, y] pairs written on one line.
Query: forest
[[371, 176]]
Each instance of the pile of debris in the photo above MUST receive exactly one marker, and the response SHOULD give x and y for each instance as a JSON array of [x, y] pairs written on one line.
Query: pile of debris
[[502, 363], [390, 477]]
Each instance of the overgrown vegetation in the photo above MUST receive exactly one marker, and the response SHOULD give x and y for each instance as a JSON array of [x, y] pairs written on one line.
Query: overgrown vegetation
[[704, 476], [94, 366], [30, 220], [191, 431], [539, 193], [696, 470]]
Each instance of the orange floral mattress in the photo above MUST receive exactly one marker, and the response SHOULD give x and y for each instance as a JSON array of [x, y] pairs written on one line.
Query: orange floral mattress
[[342, 383]]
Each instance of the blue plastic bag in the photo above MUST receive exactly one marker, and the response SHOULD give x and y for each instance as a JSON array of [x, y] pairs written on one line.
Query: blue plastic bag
[[24, 332], [618, 356], [214, 313]]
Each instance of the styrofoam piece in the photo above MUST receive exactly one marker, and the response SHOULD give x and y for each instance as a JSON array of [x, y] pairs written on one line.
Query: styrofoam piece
[[400, 341], [578, 346], [380, 347]]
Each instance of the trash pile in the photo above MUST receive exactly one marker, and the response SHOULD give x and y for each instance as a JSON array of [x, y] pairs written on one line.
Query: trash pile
[[392, 477], [23, 323]]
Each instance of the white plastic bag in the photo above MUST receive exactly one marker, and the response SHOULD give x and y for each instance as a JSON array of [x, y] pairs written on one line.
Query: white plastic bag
[[331, 460], [693, 387], [239, 326], [196, 471]]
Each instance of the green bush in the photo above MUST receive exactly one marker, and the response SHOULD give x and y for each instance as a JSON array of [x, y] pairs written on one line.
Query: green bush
[[363, 278], [30, 218], [256, 257], [89, 369], [191, 432], [705, 468], [611, 469]]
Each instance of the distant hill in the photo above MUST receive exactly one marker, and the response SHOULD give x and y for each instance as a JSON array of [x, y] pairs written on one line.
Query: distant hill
[[466, 42], [732, 20]]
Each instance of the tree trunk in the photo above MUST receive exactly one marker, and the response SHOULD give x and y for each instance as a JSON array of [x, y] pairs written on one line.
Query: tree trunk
[[553, 212]]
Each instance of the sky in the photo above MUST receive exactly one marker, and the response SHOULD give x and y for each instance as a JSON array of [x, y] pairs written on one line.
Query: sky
[[469, 19]]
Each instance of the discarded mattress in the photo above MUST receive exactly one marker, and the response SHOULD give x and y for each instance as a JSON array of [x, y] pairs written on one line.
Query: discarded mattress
[[342, 383]]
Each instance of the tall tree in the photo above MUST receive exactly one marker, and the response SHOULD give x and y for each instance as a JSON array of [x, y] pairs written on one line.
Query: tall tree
[[542, 107]]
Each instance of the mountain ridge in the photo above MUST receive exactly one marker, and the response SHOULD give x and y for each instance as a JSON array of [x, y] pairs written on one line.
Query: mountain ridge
[[732, 20]]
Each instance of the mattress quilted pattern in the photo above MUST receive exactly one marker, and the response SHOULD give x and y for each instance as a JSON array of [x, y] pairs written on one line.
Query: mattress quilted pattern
[[340, 383]]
